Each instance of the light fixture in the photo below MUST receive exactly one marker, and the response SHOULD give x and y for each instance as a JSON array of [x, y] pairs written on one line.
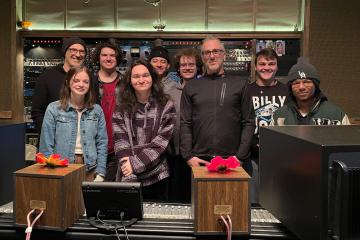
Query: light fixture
[[159, 24], [155, 3]]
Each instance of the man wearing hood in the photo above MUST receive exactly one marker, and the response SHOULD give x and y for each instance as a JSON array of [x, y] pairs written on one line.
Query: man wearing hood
[[308, 105]]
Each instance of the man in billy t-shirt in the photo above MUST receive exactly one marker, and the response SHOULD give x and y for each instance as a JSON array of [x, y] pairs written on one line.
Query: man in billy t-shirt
[[267, 95]]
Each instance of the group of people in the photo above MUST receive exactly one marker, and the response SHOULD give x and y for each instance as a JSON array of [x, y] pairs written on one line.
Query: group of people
[[144, 126]]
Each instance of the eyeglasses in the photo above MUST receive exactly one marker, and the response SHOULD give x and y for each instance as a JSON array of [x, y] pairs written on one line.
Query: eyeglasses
[[76, 51], [305, 82], [191, 65], [215, 52]]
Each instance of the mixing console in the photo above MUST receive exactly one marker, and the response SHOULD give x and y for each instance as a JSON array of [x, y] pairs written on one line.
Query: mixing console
[[177, 211]]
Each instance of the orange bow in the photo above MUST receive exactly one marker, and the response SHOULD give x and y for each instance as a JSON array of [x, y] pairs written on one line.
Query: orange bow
[[52, 161]]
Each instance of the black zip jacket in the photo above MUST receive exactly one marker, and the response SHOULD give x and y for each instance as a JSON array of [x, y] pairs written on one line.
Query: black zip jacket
[[47, 89], [216, 118]]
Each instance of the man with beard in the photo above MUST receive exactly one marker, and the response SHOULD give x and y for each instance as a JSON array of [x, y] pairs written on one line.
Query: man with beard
[[188, 65], [48, 84], [267, 95], [160, 61], [216, 117], [307, 104]]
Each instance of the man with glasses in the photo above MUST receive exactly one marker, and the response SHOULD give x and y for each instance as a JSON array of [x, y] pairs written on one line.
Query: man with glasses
[[188, 65], [308, 105], [48, 84], [216, 117]]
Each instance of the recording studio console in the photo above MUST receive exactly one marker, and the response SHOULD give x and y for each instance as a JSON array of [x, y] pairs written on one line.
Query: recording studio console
[[177, 211], [161, 221]]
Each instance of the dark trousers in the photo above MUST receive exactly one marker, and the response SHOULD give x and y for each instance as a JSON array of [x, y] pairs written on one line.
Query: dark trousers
[[156, 192], [254, 183], [111, 167], [180, 180]]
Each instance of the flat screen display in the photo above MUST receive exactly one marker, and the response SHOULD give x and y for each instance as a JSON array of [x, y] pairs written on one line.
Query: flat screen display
[[107, 200]]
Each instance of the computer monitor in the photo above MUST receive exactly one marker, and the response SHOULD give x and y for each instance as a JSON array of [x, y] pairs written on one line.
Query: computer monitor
[[113, 200]]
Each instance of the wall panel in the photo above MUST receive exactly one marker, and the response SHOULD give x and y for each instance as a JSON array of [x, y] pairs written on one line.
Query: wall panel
[[280, 15], [91, 15], [45, 14], [334, 50]]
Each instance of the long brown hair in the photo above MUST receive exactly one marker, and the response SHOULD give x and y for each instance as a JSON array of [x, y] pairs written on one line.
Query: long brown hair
[[127, 97], [65, 92]]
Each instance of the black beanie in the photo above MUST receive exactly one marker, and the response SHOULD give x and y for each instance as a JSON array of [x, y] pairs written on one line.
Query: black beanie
[[159, 51], [67, 42], [303, 70]]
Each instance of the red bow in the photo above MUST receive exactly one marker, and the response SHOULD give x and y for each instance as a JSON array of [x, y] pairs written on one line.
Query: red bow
[[221, 165], [52, 161]]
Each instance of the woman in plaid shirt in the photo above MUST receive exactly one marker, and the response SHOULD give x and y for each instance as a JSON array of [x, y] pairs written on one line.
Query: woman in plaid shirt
[[143, 125]]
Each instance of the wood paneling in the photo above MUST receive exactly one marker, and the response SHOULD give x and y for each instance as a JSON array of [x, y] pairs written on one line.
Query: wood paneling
[[59, 189], [11, 93], [215, 195], [334, 37], [5, 60]]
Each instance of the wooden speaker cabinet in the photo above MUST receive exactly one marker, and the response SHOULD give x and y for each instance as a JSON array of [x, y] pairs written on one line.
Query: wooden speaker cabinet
[[58, 190], [216, 194]]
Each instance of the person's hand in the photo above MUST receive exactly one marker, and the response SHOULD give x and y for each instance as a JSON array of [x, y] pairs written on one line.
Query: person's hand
[[126, 167], [195, 162], [98, 178]]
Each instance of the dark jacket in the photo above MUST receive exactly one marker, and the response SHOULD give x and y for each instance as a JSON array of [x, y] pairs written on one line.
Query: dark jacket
[[47, 90], [216, 118], [322, 112]]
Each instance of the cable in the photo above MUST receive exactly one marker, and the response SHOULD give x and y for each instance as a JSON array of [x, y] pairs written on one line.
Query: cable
[[114, 226], [98, 218], [227, 227], [30, 225], [230, 224], [122, 223], [117, 234]]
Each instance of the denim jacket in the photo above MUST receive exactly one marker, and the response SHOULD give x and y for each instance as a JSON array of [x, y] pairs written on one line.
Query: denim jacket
[[58, 135]]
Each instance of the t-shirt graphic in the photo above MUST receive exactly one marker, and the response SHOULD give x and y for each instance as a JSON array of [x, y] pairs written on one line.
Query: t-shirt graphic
[[263, 115], [266, 100]]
